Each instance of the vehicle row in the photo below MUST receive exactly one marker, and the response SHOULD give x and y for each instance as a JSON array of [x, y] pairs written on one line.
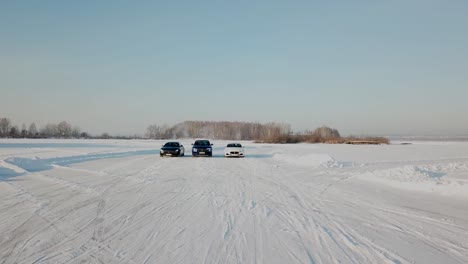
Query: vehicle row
[[200, 148]]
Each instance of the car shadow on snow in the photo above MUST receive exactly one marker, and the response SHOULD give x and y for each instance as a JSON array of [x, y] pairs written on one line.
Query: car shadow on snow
[[247, 156], [221, 156]]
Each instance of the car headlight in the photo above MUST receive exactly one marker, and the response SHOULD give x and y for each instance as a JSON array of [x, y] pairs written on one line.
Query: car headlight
[[177, 150], [162, 151], [194, 149], [208, 149]]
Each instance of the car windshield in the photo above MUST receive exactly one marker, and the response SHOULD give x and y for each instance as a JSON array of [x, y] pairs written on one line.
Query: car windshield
[[234, 145], [171, 144], [202, 143]]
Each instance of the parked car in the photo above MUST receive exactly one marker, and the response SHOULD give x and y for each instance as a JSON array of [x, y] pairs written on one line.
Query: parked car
[[172, 149], [234, 150], [202, 148]]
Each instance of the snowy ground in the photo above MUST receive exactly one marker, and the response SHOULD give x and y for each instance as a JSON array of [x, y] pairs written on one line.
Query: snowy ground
[[72, 201]]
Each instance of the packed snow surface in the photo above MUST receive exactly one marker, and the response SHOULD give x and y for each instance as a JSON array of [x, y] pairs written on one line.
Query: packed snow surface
[[109, 201]]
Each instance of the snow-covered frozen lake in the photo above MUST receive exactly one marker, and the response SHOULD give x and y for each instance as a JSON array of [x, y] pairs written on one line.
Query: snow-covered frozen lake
[[111, 201]]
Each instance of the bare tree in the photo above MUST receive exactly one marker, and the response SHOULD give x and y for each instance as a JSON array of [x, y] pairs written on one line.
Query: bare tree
[[24, 132], [14, 131], [50, 130], [160, 132], [32, 131], [152, 131], [5, 125], [75, 132], [64, 129], [326, 132]]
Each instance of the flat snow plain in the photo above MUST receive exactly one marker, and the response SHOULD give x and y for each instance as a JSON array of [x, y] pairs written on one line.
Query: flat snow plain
[[109, 201]]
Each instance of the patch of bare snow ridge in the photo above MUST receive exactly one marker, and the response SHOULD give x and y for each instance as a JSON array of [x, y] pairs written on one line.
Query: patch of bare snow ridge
[[446, 179]]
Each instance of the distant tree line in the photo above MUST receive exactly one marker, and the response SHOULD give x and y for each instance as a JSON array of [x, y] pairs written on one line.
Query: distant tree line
[[267, 132], [63, 129], [218, 130], [50, 130], [258, 132], [221, 130]]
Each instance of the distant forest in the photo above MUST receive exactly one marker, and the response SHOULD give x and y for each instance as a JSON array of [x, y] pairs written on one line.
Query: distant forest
[[50, 130], [221, 130], [258, 132]]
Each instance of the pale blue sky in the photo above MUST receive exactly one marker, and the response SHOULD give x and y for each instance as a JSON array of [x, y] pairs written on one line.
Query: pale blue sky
[[363, 67]]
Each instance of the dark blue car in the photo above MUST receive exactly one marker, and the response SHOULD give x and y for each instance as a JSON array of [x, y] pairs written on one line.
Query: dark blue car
[[202, 148]]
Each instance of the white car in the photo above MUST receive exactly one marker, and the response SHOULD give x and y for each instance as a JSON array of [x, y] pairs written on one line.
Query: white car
[[234, 150]]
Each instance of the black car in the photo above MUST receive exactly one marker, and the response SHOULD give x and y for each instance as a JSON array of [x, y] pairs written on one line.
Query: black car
[[202, 148], [172, 149]]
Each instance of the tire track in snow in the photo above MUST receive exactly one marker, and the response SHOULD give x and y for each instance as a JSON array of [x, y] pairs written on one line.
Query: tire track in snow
[[325, 226]]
